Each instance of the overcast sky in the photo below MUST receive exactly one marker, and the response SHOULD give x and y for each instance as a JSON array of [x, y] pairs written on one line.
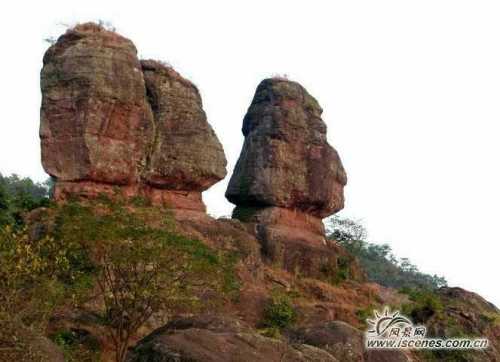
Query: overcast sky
[[410, 92]]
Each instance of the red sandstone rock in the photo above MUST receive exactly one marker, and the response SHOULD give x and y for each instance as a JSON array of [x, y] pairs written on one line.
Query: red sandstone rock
[[288, 178], [173, 199], [186, 154], [216, 339], [111, 125], [294, 223], [286, 160], [95, 122]]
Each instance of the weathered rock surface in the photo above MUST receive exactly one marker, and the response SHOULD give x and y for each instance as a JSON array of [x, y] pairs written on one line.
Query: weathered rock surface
[[95, 122], [213, 339], [286, 160], [288, 177], [186, 154], [463, 314], [111, 124], [345, 343]]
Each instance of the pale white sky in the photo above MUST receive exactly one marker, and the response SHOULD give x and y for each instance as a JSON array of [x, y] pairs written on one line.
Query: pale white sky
[[410, 89]]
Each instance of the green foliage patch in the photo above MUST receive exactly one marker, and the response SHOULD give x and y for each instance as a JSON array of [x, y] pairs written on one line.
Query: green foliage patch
[[279, 312], [19, 195], [424, 304], [77, 346]]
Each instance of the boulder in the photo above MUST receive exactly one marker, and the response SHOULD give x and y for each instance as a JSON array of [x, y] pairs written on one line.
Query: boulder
[[345, 343], [463, 314], [96, 125], [286, 160], [22, 344], [186, 154], [219, 339]]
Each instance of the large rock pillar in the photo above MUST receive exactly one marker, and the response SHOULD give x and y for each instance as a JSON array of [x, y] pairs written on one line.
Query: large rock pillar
[[287, 177]]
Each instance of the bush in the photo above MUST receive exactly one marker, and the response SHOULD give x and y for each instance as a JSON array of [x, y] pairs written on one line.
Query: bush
[[35, 275], [279, 312], [364, 314]]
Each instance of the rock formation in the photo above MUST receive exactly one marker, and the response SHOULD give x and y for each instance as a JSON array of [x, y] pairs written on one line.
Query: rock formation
[[111, 123], [345, 342], [95, 122], [286, 160], [186, 154], [219, 339], [287, 177]]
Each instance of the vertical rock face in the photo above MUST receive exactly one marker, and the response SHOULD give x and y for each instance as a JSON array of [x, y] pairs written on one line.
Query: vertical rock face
[[95, 122], [186, 154], [287, 177], [110, 123]]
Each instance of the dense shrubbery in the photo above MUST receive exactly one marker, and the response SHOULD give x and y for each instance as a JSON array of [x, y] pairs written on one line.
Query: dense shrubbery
[[36, 276], [279, 313], [377, 260]]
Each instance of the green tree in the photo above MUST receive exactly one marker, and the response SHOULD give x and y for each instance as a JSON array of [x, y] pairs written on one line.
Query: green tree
[[345, 229], [378, 260], [20, 195], [137, 279]]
